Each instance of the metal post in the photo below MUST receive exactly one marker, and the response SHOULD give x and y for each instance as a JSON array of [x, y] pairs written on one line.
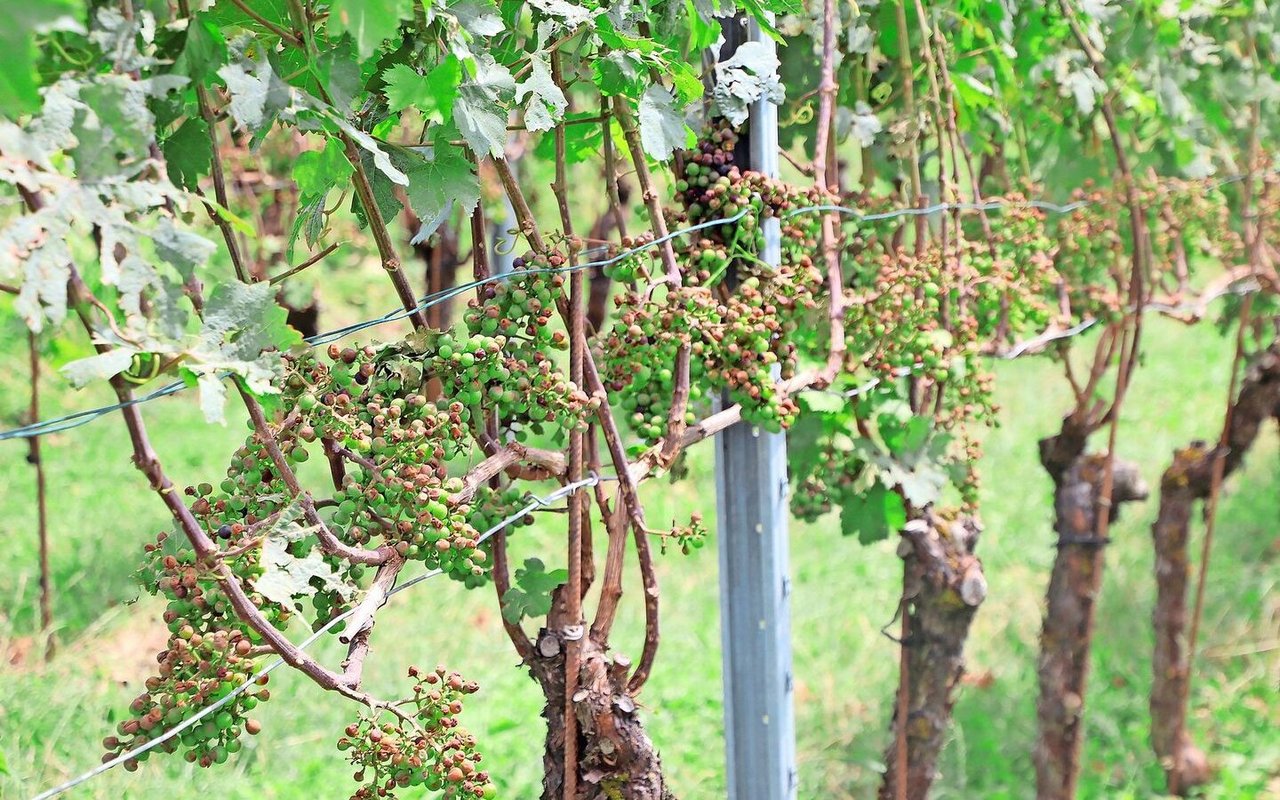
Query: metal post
[[752, 514]]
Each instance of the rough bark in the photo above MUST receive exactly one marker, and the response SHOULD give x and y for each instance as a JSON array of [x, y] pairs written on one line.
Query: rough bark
[[1072, 597], [616, 758], [944, 585], [1187, 480]]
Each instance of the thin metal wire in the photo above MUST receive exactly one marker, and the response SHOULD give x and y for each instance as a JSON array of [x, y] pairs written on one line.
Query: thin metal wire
[[74, 420], [536, 502]]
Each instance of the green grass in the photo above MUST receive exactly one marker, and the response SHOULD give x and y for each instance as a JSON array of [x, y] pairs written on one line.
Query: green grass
[[54, 715]]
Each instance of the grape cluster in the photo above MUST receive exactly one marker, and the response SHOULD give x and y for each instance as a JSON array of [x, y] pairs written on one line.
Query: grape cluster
[[208, 655], [491, 507], [687, 537], [631, 268], [742, 340], [421, 745], [640, 354], [507, 363]]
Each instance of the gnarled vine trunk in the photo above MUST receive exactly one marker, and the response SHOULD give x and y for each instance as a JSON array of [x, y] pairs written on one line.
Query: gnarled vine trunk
[[1187, 480], [616, 758], [1072, 597], [943, 587]]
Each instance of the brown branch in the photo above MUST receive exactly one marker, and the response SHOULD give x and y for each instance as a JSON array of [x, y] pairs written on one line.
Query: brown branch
[[909, 104], [361, 619], [658, 223], [524, 216], [329, 542], [830, 246], [42, 507], [287, 36], [219, 178], [148, 463], [381, 235], [315, 259], [573, 631]]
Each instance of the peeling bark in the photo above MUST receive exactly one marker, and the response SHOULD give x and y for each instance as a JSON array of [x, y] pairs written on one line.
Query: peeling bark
[[616, 758], [1189, 479], [944, 585], [1072, 597]]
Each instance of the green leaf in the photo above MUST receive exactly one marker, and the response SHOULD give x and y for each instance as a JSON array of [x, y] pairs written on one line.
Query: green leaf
[[568, 15], [687, 83], [381, 160], [187, 154], [309, 222], [204, 51], [244, 332], [874, 515], [531, 596], [318, 171], [113, 127], [661, 124], [183, 249], [581, 142], [479, 18], [286, 577], [921, 485], [370, 22], [438, 183], [432, 94], [18, 51]]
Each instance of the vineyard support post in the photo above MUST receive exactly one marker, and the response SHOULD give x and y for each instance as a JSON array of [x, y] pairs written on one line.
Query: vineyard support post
[[751, 491]]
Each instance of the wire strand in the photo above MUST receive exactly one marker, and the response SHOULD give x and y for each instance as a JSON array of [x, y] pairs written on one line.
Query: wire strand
[[76, 419]]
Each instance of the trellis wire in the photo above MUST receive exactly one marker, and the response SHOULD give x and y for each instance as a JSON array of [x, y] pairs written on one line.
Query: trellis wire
[[76, 419], [536, 502]]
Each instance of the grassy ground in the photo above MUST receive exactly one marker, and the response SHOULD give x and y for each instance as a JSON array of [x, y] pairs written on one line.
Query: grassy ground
[[52, 716]]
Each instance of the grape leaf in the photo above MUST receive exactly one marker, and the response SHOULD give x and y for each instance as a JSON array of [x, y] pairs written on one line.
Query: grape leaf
[[369, 22], [872, 516], [112, 127], [749, 75], [567, 15], [18, 53], [243, 329], [477, 17], [256, 97], [381, 161], [531, 596], [432, 94], [286, 577], [309, 222], [318, 171], [203, 50], [581, 142], [438, 182], [106, 365], [478, 110], [662, 128], [181, 248], [187, 155], [547, 103]]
